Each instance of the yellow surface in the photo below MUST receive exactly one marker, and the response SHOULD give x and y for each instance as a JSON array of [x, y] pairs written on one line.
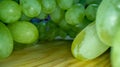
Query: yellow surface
[[51, 54]]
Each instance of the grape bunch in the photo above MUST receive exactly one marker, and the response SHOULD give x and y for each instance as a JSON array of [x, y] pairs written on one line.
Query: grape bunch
[[66, 18], [24, 22], [29, 21]]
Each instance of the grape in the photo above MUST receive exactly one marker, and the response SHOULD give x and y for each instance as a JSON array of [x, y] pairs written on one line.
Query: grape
[[52, 31], [73, 30], [85, 23], [75, 14], [31, 8], [57, 15], [91, 11], [48, 30], [42, 15], [6, 41], [107, 21], [87, 45], [42, 30], [72, 34], [64, 25], [115, 54], [10, 11], [79, 27], [62, 33], [23, 32], [65, 4], [48, 6]]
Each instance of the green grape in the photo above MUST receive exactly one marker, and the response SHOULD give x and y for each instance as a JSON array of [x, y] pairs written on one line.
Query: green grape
[[6, 41], [65, 4], [62, 33], [48, 6], [23, 32], [75, 14], [86, 45], [115, 54], [72, 34], [107, 20], [42, 30], [57, 15], [85, 23], [10, 11], [73, 30], [79, 27], [42, 15], [47, 30], [31, 8], [64, 25], [90, 11], [52, 31]]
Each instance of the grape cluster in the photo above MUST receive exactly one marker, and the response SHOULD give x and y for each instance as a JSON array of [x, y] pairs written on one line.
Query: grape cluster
[[46, 20], [68, 17]]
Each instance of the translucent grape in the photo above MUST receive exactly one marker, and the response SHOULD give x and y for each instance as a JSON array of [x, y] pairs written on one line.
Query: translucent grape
[[6, 41], [115, 54], [75, 14], [48, 6], [42, 30], [107, 21], [90, 11], [57, 15], [10, 11], [64, 25], [23, 32], [31, 8], [52, 30], [86, 45]]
